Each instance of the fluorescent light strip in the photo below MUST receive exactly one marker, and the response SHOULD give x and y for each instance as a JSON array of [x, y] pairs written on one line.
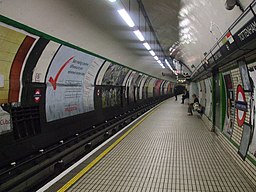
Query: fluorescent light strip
[[139, 35], [156, 58], [168, 64], [112, 1], [146, 45], [152, 53], [159, 62], [126, 17]]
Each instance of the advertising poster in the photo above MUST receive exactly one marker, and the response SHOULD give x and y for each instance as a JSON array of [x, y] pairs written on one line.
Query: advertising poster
[[208, 98], [114, 75], [244, 75], [70, 83], [139, 78], [202, 93], [229, 117], [128, 81], [151, 87], [132, 95], [142, 84], [137, 84], [252, 147], [111, 96], [5, 121], [166, 87], [11, 41], [162, 87], [157, 87], [145, 88], [102, 72], [169, 88], [245, 140], [44, 61], [125, 81]]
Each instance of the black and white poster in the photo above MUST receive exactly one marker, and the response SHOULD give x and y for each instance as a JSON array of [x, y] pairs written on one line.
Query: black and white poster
[[229, 117], [245, 140], [244, 75]]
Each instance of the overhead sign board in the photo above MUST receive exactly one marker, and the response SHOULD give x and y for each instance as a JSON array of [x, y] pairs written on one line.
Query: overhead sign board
[[245, 29]]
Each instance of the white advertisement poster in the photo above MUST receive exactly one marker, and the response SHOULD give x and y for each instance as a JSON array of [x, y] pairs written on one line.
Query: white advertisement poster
[[102, 72], [252, 148], [1, 80], [151, 87], [142, 83], [44, 61], [208, 98], [5, 121], [70, 83]]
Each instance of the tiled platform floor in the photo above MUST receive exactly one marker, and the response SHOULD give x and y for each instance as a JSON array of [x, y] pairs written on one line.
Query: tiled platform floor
[[169, 151]]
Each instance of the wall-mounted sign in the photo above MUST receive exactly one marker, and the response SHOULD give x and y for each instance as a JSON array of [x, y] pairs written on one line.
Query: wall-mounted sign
[[1, 80], [5, 121], [37, 95], [241, 105], [227, 45], [70, 83], [245, 141], [245, 29], [244, 75]]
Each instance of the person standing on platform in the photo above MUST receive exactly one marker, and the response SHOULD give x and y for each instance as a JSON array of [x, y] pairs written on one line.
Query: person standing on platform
[[184, 96], [175, 93]]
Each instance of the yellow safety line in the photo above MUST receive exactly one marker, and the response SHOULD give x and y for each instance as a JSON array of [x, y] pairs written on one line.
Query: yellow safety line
[[89, 166]]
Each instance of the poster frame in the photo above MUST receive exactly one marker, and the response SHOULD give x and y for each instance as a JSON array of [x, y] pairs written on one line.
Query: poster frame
[[243, 154], [244, 75]]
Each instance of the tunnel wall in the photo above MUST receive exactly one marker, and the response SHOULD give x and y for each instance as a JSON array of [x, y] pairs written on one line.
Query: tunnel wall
[[237, 130], [51, 89], [75, 22]]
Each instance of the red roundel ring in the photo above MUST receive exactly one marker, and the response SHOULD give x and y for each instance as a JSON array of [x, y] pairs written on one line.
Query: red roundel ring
[[240, 96]]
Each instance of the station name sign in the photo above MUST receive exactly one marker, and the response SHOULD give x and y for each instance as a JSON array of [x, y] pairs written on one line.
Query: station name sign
[[247, 33], [241, 105], [249, 30]]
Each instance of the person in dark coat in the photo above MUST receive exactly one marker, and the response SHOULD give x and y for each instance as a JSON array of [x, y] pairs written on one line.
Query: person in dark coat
[[184, 96], [190, 106], [175, 93]]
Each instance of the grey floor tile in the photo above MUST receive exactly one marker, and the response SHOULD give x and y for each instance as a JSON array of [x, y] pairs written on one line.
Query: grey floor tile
[[169, 151]]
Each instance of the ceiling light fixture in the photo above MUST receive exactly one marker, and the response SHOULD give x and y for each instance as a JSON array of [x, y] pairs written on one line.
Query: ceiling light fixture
[[185, 30], [146, 45], [152, 53], [126, 17], [156, 58], [168, 64], [112, 1], [184, 22], [139, 35], [159, 62]]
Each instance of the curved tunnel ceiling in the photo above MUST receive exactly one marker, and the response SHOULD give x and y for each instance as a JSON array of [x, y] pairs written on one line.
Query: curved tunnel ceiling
[[190, 27]]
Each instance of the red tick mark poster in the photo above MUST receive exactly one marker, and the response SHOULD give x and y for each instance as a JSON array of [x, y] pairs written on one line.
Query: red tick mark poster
[[70, 83]]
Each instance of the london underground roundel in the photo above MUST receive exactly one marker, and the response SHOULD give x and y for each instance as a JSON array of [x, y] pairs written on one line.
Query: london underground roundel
[[37, 95], [241, 105]]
